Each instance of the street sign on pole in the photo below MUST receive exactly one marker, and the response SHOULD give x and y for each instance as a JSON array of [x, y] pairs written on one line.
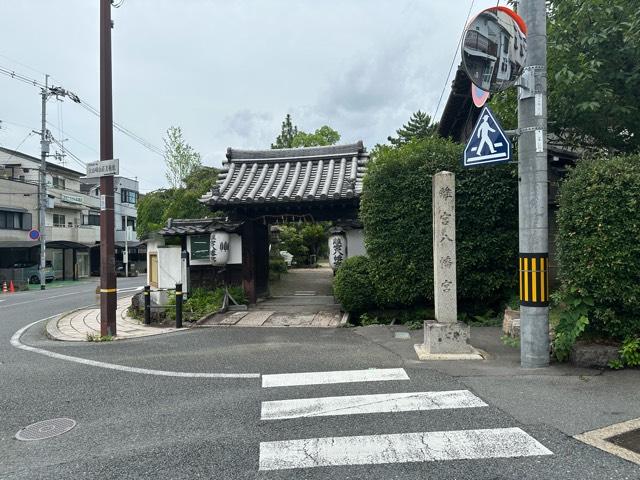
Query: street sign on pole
[[488, 142], [103, 168], [34, 234]]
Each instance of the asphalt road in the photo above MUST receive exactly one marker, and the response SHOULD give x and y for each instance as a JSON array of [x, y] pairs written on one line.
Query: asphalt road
[[132, 425]]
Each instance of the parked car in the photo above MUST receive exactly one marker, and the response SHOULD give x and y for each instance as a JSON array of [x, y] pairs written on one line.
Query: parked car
[[31, 271], [120, 271]]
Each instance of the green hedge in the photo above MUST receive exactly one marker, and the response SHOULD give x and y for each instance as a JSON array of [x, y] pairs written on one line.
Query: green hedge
[[352, 285], [396, 212], [598, 242]]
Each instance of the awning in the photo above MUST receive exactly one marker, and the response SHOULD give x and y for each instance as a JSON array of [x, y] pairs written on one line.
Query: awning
[[67, 244], [13, 209], [131, 244], [20, 244]]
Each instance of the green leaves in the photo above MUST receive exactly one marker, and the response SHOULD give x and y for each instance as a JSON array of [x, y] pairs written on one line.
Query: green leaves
[[291, 137], [598, 243], [396, 212]]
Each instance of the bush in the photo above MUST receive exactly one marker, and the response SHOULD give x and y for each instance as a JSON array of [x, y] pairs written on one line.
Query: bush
[[352, 285], [203, 302], [598, 242], [396, 212]]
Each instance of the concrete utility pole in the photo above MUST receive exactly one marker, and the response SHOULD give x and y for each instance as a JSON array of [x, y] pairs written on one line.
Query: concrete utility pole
[[533, 192], [42, 210], [107, 226]]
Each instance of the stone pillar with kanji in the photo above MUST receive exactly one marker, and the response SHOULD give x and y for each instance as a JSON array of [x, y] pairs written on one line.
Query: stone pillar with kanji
[[444, 247], [445, 337]]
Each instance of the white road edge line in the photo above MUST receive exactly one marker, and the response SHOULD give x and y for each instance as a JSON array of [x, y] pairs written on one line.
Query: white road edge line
[[15, 341], [362, 404], [400, 448], [340, 376]]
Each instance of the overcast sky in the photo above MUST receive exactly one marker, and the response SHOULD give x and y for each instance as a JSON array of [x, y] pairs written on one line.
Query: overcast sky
[[226, 71]]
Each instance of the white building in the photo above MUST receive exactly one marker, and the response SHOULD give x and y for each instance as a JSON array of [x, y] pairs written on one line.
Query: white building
[[72, 223]]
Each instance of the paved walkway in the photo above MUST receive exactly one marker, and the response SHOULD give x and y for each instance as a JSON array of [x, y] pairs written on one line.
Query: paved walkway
[[79, 325], [302, 297]]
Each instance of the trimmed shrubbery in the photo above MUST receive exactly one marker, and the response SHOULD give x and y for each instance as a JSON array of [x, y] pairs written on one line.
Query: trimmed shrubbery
[[396, 212], [598, 245], [352, 285]]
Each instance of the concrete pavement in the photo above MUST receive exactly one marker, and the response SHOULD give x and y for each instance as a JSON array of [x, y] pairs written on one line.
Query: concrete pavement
[[83, 325], [133, 425]]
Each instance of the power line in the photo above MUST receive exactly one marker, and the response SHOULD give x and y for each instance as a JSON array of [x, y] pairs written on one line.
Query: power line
[[455, 54], [121, 128]]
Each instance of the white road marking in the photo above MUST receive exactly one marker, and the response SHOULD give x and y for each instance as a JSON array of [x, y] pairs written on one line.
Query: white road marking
[[359, 404], [15, 341], [399, 448], [341, 376]]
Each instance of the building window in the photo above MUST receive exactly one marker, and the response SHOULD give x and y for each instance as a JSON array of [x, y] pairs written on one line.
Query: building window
[[15, 221], [128, 196], [131, 222], [58, 182], [91, 219], [58, 220]]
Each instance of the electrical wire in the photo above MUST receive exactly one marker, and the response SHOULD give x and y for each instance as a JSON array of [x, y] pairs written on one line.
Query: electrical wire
[[455, 55]]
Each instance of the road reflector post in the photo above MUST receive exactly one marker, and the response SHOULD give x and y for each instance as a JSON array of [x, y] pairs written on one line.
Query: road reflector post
[[147, 305], [178, 305]]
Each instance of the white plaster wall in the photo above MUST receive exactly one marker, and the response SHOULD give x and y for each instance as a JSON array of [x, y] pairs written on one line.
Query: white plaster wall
[[355, 243], [169, 267]]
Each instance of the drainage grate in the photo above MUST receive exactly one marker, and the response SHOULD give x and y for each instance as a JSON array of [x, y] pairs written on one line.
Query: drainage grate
[[45, 429]]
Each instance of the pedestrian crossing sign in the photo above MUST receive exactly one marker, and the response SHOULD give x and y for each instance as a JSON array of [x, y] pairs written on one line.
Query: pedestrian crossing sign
[[488, 142]]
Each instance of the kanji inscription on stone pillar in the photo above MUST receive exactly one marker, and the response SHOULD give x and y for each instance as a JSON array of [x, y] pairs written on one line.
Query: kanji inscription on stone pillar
[[444, 247]]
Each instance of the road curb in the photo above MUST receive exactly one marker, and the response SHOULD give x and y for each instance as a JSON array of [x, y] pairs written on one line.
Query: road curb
[[51, 329]]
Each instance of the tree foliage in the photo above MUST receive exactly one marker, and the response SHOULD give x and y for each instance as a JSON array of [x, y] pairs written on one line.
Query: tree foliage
[[304, 240], [397, 216], [419, 126], [180, 158], [155, 208], [291, 137], [593, 76], [594, 73], [597, 242], [352, 285]]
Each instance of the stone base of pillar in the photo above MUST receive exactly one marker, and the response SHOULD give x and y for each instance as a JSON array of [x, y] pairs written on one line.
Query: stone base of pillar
[[446, 341]]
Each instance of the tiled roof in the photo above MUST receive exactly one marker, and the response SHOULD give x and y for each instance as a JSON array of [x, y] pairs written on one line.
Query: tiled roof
[[290, 175], [191, 226]]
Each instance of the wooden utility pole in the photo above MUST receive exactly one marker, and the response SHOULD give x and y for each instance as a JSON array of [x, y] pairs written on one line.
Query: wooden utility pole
[[107, 222]]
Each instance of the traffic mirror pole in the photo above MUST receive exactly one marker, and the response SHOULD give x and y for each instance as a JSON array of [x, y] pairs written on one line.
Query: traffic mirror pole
[[107, 225], [533, 192]]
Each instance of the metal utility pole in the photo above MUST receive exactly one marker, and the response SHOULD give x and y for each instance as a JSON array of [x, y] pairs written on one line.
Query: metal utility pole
[[533, 192], [42, 210], [107, 225]]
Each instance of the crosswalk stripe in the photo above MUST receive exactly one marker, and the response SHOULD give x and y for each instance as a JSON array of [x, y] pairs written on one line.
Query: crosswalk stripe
[[378, 403], [342, 376], [399, 448]]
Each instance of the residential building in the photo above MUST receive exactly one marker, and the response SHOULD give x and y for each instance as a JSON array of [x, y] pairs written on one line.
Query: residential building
[[72, 224]]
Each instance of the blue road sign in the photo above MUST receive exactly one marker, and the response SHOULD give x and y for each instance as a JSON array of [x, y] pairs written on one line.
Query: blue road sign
[[34, 234], [488, 142]]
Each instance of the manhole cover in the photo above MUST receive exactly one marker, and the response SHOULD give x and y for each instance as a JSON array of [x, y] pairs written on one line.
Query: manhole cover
[[45, 429]]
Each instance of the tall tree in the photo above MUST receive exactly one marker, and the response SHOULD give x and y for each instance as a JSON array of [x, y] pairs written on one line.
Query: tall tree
[[288, 132], [291, 137], [181, 159], [419, 126]]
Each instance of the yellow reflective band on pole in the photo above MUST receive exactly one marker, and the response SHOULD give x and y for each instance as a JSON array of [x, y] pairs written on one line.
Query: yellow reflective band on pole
[[534, 279], [108, 290]]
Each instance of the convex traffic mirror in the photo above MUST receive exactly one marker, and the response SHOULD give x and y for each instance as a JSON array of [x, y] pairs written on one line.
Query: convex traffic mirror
[[494, 49]]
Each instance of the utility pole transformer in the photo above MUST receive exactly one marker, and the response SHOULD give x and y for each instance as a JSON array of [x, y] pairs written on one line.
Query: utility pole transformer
[[107, 221], [533, 191], [42, 201]]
